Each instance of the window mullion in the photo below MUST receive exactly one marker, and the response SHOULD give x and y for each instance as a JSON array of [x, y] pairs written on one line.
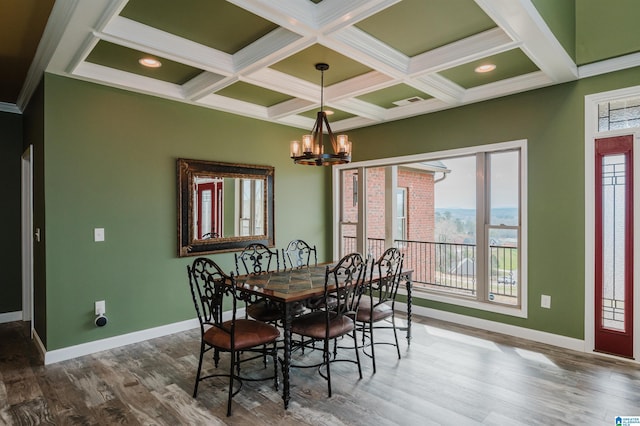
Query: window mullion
[[361, 226], [482, 203]]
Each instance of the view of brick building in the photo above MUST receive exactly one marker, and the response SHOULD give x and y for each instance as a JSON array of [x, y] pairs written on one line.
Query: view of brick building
[[414, 195]]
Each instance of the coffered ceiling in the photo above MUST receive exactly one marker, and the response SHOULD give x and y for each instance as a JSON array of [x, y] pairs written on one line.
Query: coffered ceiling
[[388, 59]]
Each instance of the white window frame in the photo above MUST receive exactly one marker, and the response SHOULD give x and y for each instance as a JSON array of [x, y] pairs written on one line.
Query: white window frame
[[591, 134], [519, 311]]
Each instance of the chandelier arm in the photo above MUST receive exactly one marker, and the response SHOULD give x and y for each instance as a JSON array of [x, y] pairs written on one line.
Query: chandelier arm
[[332, 138]]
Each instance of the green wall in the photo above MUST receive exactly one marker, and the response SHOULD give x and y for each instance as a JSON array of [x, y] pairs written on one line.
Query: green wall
[[110, 163], [552, 120], [10, 255]]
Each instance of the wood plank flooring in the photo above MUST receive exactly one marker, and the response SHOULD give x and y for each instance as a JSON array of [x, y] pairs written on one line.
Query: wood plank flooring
[[450, 375]]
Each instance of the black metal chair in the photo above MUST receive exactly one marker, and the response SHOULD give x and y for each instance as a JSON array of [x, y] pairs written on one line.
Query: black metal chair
[[209, 287], [343, 282], [258, 259], [379, 303], [298, 254]]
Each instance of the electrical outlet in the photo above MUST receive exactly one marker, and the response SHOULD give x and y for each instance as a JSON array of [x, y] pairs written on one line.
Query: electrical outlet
[[100, 307], [545, 301]]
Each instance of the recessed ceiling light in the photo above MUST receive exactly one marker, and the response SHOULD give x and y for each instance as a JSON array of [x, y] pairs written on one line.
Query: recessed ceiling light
[[485, 68], [150, 62], [328, 112]]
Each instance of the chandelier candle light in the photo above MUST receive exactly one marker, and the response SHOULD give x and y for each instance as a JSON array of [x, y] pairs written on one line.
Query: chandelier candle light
[[311, 150]]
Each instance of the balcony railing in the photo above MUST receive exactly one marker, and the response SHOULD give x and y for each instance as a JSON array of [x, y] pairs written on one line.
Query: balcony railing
[[451, 267]]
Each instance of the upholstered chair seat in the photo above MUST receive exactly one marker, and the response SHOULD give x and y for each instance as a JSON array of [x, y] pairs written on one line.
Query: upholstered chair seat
[[248, 333], [313, 325]]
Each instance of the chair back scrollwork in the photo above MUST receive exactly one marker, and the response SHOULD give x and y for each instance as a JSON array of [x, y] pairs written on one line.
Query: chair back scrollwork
[[298, 254], [385, 277], [348, 276], [209, 285], [256, 259]]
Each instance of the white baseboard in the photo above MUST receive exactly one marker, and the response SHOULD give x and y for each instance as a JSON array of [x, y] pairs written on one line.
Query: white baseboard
[[88, 348], [39, 344], [10, 316], [57, 355], [498, 327]]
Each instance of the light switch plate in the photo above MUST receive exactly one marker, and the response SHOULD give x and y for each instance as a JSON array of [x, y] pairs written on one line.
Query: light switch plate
[[545, 301], [98, 234]]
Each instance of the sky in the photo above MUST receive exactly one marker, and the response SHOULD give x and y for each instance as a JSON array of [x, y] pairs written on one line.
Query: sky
[[459, 188]]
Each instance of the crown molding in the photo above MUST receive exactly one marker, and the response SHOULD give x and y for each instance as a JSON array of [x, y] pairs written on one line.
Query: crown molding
[[53, 31], [12, 108]]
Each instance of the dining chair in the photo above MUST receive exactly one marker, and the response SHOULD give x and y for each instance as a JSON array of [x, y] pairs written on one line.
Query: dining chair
[[378, 305], [298, 254], [256, 259], [343, 282], [209, 288]]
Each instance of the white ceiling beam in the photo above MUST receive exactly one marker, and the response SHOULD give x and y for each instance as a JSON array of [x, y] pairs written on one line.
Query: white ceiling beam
[[273, 47], [290, 107], [294, 15], [129, 81], [334, 15], [205, 83], [234, 106], [438, 87], [351, 123], [359, 85], [138, 36], [478, 46], [522, 22], [360, 108], [506, 87], [284, 83], [417, 108], [362, 47]]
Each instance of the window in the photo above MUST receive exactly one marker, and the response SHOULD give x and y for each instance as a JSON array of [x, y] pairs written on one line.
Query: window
[[619, 114], [457, 216], [251, 207], [401, 213]]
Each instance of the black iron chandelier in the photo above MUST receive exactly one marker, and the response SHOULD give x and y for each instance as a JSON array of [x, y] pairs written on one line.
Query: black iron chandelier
[[311, 150]]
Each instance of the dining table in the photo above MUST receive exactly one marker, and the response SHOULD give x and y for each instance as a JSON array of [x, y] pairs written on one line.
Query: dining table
[[288, 288]]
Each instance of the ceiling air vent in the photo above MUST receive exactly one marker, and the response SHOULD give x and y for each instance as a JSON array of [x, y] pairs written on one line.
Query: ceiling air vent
[[408, 101]]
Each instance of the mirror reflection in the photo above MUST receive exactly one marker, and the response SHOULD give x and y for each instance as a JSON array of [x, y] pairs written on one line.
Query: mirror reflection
[[228, 207], [223, 206]]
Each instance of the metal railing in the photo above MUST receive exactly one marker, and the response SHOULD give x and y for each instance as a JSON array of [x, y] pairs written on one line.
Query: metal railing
[[451, 267]]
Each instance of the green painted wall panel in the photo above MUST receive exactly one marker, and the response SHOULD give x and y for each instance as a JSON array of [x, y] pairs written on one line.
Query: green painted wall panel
[[110, 163], [10, 255], [552, 120]]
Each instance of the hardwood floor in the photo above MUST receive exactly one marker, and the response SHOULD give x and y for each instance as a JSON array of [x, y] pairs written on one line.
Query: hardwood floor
[[450, 375]]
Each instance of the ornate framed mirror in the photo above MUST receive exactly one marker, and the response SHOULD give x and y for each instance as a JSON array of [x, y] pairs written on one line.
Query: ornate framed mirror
[[223, 206]]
